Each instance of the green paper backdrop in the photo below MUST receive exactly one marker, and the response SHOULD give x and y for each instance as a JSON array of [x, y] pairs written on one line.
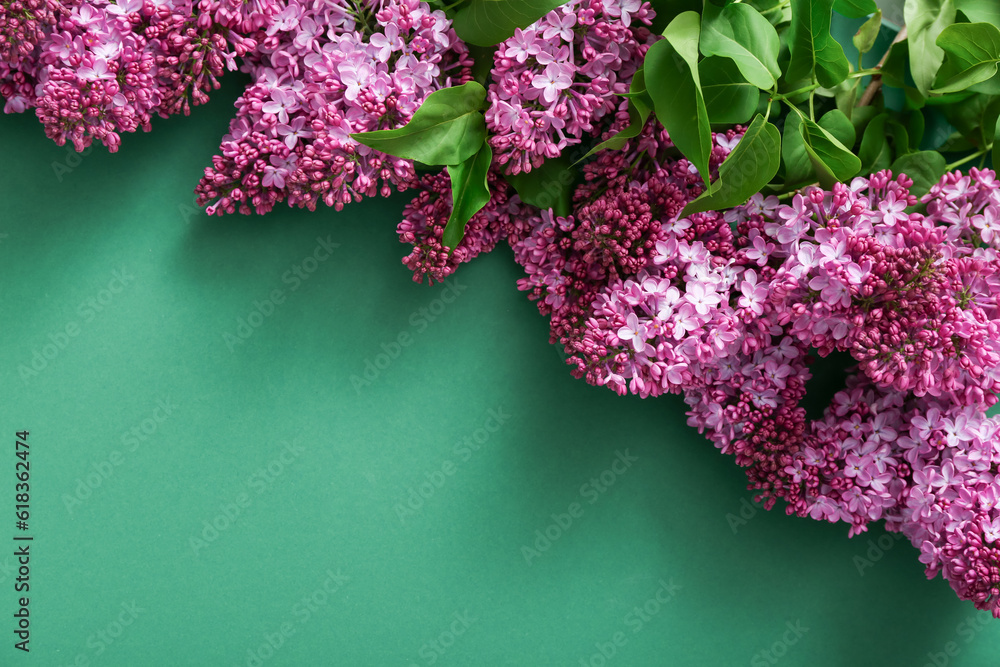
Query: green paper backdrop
[[211, 492]]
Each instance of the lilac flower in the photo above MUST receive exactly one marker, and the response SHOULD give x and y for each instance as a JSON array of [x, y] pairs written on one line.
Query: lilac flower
[[281, 104], [553, 79], [635, 332]]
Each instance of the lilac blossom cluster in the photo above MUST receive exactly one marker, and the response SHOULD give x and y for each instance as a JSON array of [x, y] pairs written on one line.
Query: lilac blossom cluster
[[731, 321], [556, 79], [94, 69], [324, 69], [729, 309]]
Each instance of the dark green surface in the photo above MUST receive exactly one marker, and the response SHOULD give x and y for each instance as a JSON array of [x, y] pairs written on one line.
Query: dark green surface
[[334, 505]]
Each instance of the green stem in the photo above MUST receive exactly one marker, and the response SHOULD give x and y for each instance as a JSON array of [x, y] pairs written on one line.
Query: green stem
[[863, 72], [777, 8], [967, 158], [808, 89]]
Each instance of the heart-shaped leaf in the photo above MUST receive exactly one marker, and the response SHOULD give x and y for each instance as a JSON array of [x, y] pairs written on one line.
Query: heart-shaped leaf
[[996, 144], [925, 20], [798, 167], [973, 52], [729, 98], [980, 11], [469, 193], [739, 32], [814, 51], [448, 128], [836, 123], [639, 108], [925, 168], [666, 10], [674, 85], [866, 35], [855, 9], [830, 158], [489, 22], [874, 152], [751, 165], [547, 186]]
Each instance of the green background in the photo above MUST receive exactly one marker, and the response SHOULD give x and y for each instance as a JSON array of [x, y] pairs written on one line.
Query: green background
[[358, 450]]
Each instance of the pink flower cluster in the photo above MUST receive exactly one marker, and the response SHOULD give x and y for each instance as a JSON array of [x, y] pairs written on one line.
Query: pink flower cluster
[[554, 80], [426, 215], [324, 69], [731, 321], [730, 309], [97, 68]]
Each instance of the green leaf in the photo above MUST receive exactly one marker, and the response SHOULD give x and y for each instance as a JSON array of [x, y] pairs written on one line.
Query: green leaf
[[855, 9], [874, 152], [448, 128], [980, 11], [639, 108], [775, 11], [798, 168], [729, 98], [814, 52], [973, 51], [996, 144], [896, 63], [674, 84], [745, 171], [739, 32], [925, 19], [846, 95], [489, 22], [836, 123], [482, 62], [547, 186], [666, 10], [861, 116], [866, 35], [469, 193], [915, 128], [830, 158], [900, 137], [974, 118], [925, 168], [990, 86]]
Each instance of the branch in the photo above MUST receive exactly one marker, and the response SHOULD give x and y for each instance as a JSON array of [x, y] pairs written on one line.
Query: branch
[[876, 82]]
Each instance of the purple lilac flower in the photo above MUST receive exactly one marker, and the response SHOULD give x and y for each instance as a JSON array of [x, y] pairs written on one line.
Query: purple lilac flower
[[322, 71]]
